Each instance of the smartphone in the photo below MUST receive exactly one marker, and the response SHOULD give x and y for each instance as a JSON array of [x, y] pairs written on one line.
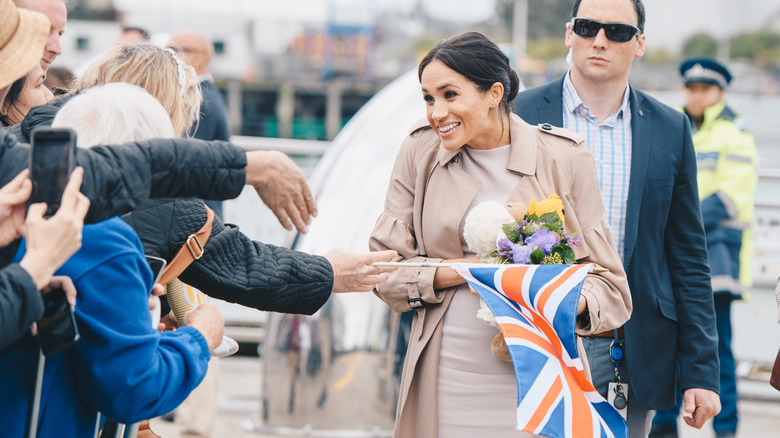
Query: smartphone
[[158, 265], [58, 328], [52, 158]]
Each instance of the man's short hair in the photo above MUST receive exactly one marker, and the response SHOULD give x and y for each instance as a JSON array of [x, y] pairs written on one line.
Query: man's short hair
[[144, 34], [639, 7]]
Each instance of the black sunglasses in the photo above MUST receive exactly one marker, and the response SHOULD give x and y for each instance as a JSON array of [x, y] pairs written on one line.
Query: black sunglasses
[[618, 32]]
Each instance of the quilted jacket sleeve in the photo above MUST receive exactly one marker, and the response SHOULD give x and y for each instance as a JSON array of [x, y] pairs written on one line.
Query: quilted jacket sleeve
[[237, 269], [234, 268], [119, 178]]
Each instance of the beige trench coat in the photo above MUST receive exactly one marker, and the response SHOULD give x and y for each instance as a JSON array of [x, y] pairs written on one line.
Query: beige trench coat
[[423, 217]]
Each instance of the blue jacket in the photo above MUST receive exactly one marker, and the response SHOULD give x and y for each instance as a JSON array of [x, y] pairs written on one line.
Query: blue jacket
[[120, 366], [665, 253]]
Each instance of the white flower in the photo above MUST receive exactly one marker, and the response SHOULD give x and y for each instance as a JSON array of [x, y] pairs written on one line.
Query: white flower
[[482, 227]]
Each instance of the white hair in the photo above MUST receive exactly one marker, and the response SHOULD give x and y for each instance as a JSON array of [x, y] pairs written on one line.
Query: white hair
[[114, 113]]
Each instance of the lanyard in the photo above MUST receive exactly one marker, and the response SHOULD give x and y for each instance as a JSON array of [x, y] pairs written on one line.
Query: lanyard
[[616, 350]]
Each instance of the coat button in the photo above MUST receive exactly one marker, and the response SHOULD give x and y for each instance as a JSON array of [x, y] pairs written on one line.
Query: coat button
[[547, 127]]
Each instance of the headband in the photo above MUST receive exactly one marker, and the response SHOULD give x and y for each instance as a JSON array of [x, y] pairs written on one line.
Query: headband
[[180, 69]]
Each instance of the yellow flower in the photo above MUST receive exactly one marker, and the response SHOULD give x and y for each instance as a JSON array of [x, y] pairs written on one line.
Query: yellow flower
[[552, 204]]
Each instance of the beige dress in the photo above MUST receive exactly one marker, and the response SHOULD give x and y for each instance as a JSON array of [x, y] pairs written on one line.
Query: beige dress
[[477, 393]]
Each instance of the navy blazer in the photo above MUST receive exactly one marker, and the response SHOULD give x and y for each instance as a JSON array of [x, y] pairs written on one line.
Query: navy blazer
[[665, 253], [213, 125]]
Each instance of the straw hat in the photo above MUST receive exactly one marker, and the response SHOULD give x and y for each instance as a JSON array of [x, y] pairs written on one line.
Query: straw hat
[[23, 34]]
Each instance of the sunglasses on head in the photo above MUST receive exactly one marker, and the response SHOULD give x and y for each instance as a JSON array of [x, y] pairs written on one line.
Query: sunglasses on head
[[618, 32]]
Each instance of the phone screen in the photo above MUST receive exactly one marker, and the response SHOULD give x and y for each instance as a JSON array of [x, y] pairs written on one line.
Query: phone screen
[[57, 328], [157, 264], [51, 162]]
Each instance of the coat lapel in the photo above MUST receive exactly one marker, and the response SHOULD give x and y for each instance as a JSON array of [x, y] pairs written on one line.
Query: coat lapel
[[641, 137]]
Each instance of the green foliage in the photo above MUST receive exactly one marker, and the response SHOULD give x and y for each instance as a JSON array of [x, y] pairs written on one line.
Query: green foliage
[[762, 47], [552, 222], [553, 259], [537, 256], [510, 231], [566, 253], [700, 44]]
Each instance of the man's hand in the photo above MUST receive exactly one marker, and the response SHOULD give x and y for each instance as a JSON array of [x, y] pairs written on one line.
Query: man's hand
[[701, 404], [352, 272], [282, 187], [168, 323], [208, 321], [13, 199]]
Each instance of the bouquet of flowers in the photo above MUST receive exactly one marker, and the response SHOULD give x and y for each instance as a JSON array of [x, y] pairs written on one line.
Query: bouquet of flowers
[[513, 234], [537, 239], [534, 236]]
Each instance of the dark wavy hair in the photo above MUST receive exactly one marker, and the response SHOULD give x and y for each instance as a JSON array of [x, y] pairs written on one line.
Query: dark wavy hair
[[639, 7], [11, 100], [479, 60]]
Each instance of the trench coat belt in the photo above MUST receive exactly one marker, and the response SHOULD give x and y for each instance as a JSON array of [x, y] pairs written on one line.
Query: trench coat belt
[[607, 334]]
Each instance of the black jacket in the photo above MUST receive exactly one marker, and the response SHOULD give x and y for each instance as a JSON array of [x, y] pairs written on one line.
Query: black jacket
[[233, 267], [117, 179]]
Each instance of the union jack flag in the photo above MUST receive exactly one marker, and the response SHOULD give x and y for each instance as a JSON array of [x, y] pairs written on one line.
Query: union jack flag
[[536, 308]]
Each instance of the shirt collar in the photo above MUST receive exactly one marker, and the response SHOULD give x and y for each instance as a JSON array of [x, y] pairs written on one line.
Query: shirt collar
[[572, 103]]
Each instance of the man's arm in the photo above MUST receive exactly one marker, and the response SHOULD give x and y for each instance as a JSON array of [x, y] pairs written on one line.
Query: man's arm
[[118, 179], [685, 247]]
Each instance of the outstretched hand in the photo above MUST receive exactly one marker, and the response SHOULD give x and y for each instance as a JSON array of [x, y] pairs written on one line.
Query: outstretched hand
[[701, 405], [282, 187], [353, 272]]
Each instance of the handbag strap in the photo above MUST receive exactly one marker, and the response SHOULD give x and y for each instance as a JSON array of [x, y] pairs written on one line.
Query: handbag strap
[[191, 250]]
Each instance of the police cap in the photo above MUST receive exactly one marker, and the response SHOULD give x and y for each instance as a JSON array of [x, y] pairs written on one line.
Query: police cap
[[705, 71]]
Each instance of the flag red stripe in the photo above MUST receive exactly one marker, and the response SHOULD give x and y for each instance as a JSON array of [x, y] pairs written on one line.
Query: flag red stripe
[[545, 295], [545, 406]]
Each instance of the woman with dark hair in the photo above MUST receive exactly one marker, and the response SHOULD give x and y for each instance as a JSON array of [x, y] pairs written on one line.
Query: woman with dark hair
[[25, 93], [472, 148]]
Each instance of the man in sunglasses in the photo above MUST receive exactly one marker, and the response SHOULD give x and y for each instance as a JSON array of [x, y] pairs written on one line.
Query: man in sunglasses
[[647, 172]]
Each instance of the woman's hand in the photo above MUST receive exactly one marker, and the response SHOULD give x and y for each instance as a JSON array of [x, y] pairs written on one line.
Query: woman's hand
[[13, 197], [51, 242], [66, 284], [448, 277]]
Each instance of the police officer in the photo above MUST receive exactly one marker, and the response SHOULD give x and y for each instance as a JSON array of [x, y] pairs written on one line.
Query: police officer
[[727, 159]]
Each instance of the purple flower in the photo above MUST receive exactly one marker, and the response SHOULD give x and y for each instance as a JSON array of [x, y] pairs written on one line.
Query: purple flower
[[543, 239], [504, 247], [521, 254]]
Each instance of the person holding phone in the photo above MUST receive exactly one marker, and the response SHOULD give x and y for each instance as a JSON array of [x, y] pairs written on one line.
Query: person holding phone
[[51, 242], [118, 364]]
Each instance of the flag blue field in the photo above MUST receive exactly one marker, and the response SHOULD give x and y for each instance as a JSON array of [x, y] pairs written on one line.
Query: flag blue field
[[536, 308]]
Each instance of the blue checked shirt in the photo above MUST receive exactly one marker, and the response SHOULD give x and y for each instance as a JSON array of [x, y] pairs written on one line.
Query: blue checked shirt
[[610, 144]]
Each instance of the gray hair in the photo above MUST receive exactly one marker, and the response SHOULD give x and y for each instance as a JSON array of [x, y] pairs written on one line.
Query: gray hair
[[114, 113]]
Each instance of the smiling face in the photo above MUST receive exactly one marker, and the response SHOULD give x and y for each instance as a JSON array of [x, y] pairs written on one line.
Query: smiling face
[[459, 112], [598, 60]]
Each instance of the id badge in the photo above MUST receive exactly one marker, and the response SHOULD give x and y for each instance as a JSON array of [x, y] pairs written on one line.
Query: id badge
[[618, 397]]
